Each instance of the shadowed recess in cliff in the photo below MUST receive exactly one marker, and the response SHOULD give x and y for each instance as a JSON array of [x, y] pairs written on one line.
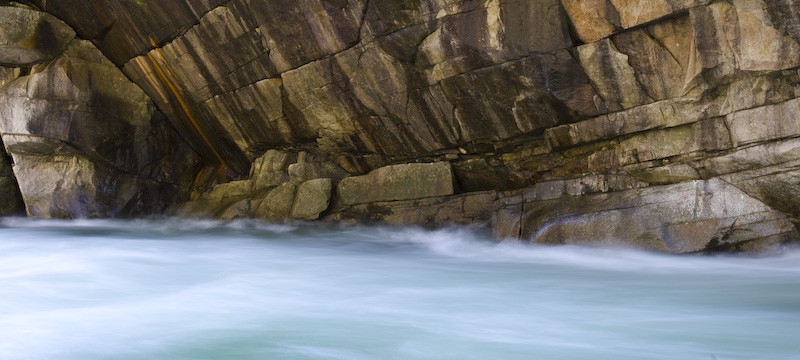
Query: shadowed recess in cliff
[[10, 198], [163, 82]]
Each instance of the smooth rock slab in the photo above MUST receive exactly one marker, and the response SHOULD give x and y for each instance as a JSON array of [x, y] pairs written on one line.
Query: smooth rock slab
[[474, 209], [688, 217], [397, 182], [65, 186], [765, 123]]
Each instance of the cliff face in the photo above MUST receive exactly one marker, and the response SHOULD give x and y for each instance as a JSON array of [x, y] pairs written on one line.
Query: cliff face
[[85, 141], [666, 125]]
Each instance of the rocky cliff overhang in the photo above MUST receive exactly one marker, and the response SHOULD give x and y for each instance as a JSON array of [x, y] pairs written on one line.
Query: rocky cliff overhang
[[666, 125]]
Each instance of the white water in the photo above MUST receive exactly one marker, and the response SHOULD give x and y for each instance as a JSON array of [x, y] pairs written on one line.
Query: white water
[[205, 290]]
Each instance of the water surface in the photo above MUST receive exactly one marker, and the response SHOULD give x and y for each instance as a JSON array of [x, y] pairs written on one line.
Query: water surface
[[170, 289]]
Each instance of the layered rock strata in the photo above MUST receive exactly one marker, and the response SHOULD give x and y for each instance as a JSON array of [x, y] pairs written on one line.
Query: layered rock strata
[[664, 125]]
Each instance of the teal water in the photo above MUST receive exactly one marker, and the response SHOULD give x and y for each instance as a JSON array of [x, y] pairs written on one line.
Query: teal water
[[170, 289]]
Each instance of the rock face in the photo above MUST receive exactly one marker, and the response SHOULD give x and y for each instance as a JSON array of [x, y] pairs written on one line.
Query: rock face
[[85, 141], [681, 218], [28, 36], [361, 89], [545, 118]]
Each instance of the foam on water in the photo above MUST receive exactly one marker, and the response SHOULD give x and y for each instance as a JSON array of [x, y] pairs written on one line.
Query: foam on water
[[179, 289]]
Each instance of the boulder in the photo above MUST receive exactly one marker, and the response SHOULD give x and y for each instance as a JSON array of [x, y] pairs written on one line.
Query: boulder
[[276, 204], [233, 188], [397, 182], [71, 186], [239, 209], [226, 208], [312, 166], [313, 197], [473, 209], [271, 169], [89, 143]]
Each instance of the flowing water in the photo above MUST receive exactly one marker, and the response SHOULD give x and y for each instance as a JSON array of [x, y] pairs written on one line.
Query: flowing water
[[173, 289]]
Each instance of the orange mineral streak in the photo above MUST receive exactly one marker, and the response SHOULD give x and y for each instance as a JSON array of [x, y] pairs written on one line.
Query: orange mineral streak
[[152, 80], [198, 179], [164, 76]]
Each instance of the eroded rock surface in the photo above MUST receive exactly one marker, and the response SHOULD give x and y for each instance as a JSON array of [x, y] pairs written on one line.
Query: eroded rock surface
[[688, 217], [86, 142], [28, 36], [397, 182], [552, 117]]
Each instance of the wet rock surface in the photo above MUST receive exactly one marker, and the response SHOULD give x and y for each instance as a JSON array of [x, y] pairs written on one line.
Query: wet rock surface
[[552, 117]]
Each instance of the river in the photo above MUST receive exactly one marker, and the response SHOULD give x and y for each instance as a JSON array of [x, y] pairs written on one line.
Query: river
[[181, 289]]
